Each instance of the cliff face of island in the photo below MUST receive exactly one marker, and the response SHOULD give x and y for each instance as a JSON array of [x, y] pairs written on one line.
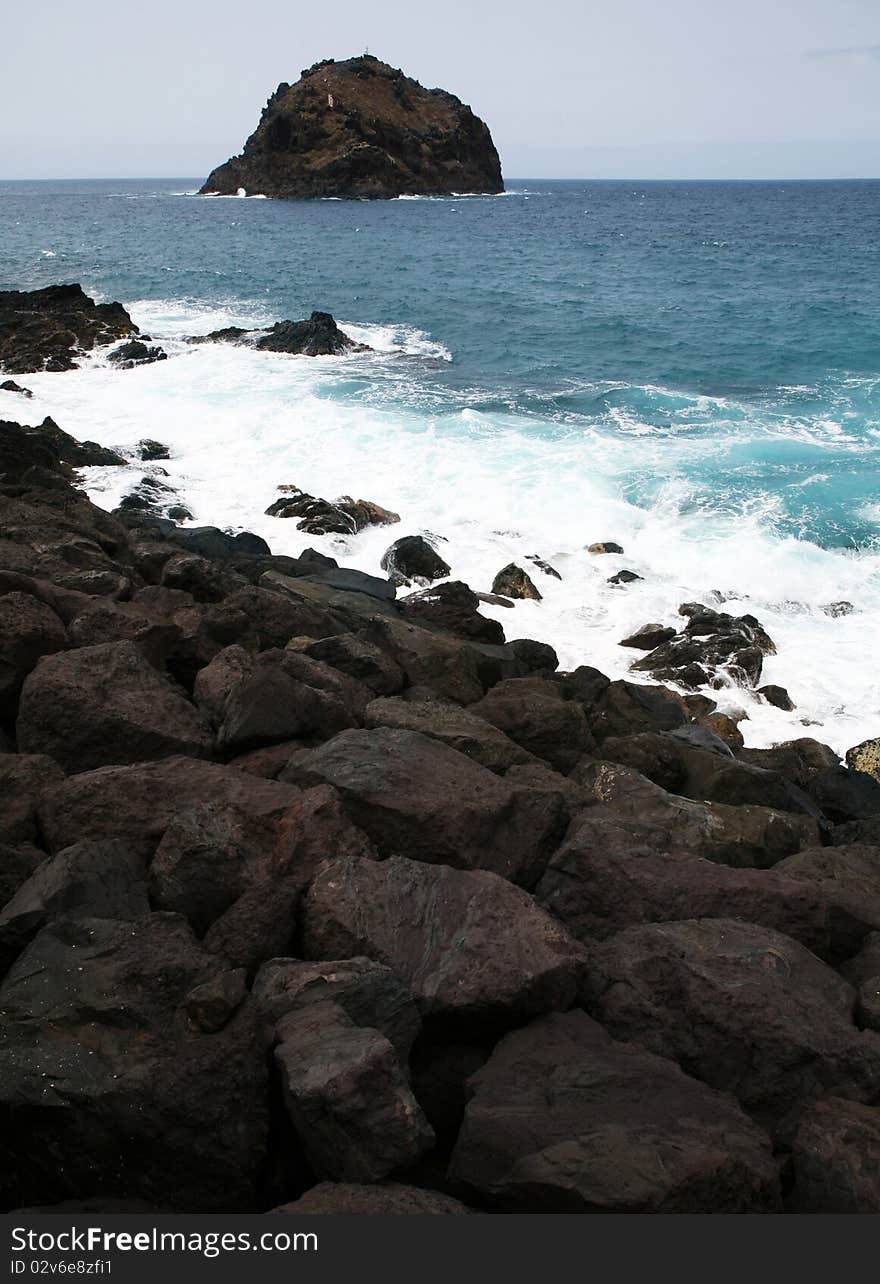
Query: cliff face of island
[[362, 129]]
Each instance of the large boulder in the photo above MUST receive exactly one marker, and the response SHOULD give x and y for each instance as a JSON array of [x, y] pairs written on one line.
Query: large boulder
[[361, 128], [369, 993], [836, 1159], [564, 1120], [271, 704], [417, 797], [747, 1010], [845, 795], [29, 629], [105, 705], [24, 779], [107, 1084], [103, 879], [475, 951], [139, 802], [412, 559], [533, 713], [461, 729], [745, 836], [606, 877], [513, 581], [347, 1096]]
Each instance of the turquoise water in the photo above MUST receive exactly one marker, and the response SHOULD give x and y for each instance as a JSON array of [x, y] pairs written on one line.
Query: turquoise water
[[690, 368]]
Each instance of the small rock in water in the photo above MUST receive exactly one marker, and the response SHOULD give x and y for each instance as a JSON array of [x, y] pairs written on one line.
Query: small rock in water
[[9, 385], [648, 637], [624, 577], [605, 546], [411, 559], [542, 565], [865, 757], [495, 599], [513, 581], [836, 609], [135, 353], [777, 696], [148, 450], [344, 516]]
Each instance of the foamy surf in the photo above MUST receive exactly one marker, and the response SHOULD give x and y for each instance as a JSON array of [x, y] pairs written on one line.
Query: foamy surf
[[493, 486]]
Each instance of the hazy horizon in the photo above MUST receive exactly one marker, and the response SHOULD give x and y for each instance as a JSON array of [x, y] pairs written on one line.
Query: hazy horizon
[[688, 90]]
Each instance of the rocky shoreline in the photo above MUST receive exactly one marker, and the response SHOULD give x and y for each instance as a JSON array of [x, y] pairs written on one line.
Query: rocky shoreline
[[318, 894]]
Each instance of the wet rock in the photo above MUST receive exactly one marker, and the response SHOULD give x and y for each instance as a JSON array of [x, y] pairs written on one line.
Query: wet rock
[[622, 708], [149, 449], [562, 1120], [413, 560], [344, 516], [105, 705], [514, 582], [865, 758], [747, 1010], [837, 609], [836, 1159], [101, 1066], [606, 546], [47, 329], [419, 798], [319, 336], [103, 879], [543, 566], [713, 647], [461, 729], [452, 607], [777, 696], [624, 577], [797, 760], [134, 352], [9, 385], [384, 1197], [648, 637], [476, 952]]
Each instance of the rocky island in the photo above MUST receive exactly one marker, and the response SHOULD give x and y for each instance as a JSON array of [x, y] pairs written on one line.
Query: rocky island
[[362, 129]]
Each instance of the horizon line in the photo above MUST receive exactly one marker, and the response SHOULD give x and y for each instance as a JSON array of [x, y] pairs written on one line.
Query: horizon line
[[556, 178]]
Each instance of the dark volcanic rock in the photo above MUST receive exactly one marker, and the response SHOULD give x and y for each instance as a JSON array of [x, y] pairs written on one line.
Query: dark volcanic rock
[[836, 1159], [29, 629], [419, 798], [360, 128], [564, 1120], [411, 559], [513, 581], [347, 1096], [107, 1086], [459, 728], [452, 607], [319, 336], [9, 385], [475, 951], [747, 1010], [136, 353], [149, 450], [533, 713], [24, 778], [344, 516], [105, 705], [46, 329]]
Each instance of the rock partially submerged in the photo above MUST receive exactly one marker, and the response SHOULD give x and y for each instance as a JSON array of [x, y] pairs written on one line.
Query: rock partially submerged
[[49, 329], [344, 516], [360, 128], [319, 336]]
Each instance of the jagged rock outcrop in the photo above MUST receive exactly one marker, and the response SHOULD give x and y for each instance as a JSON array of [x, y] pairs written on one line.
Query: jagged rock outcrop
[[362, 129], [46, 329]]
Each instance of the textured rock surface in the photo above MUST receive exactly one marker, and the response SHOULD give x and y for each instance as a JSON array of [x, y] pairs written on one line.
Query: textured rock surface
[[563, 1120], [46, 329], [360, 128]]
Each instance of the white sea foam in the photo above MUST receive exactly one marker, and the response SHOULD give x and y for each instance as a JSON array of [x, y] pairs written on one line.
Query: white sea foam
[[240, 423]]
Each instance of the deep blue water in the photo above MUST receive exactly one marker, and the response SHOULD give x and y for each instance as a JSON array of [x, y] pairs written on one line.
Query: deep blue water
[[620, 306]]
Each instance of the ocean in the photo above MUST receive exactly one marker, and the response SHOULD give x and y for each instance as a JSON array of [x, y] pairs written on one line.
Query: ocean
[[690, 369]]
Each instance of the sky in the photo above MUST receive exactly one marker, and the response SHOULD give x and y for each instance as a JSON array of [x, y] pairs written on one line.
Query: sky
[[569, 88]]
